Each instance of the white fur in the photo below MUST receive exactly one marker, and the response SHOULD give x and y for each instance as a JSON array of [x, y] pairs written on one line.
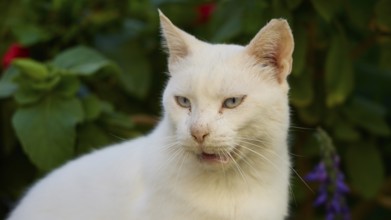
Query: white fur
[[160, 176]]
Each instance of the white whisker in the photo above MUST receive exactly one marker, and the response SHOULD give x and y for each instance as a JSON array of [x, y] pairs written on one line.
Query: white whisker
[[118, 137], [262, 156], [236, 165], [174, 154], [184, 157], [245, 160], [222, 166], [275, 154], [169, 146], [301, 128]]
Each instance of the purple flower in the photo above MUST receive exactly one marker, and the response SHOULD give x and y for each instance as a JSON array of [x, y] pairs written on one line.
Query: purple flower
[[317, 174], [340, 183], [332, 188], [322, 196]]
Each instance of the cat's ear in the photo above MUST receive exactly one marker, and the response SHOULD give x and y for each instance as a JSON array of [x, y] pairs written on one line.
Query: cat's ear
[[273, 46], [177, 42]]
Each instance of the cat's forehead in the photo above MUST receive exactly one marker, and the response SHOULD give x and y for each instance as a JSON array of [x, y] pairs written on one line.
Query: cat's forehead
[[215, 70], [218, 52], [217, 61]]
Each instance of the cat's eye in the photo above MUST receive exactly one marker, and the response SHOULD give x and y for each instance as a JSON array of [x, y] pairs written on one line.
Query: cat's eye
[[183, 101], [233, 102]]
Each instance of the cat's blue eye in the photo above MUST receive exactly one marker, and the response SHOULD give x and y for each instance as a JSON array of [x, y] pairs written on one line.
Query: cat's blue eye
[[183, 101], [233, 102]]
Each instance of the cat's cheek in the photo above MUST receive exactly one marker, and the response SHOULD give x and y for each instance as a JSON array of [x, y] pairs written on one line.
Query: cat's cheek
[[180, 120]]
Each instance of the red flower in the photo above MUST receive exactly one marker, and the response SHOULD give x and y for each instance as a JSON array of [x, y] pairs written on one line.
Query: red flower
[[14, 51], [204, 12]]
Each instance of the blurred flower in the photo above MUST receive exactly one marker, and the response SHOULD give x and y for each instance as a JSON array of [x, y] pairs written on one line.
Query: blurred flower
[[14, 51], [317, 174], [332, 189], [204, 12]]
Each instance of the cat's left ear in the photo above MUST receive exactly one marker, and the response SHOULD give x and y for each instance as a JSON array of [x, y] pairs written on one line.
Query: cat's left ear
[[273, 46], [177, 42]]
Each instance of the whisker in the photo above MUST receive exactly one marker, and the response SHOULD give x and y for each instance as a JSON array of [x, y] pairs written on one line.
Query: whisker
[[302, 128], [169, 146], [263, 157], [236, 165], [170, 159], [221, 166], [262, 143], [118, 137], [171, 137], [245, 160], [184, 156], [275, 154], [273, 164]]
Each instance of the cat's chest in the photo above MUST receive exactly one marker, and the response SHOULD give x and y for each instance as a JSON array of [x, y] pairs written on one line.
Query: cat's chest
[[207, 202], [164, 208]]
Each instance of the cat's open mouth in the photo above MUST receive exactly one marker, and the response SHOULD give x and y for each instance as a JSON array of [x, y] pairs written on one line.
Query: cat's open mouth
[[214, 158], [220, 157]]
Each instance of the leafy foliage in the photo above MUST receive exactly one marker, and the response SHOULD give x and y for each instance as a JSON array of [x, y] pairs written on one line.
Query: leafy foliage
[[95, 74], [47, 130]]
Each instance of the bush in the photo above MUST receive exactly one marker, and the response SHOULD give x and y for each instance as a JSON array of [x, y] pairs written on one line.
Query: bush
[[90, 73]]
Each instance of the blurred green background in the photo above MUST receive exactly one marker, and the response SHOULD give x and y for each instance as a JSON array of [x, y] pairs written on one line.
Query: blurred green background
[[96, 71]]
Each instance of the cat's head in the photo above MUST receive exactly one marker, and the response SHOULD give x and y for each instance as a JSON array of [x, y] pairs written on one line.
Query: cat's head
[[225, 101]]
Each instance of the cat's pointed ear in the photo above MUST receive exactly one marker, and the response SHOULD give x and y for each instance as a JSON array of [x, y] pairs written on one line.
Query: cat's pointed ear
[[273, 46], [177, 42]]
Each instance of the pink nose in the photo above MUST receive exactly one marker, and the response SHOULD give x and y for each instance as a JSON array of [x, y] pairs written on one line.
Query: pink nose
[[199, 135]]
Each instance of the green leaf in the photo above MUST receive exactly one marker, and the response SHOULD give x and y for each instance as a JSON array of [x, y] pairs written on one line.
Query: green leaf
[[373, 81], [280, 10], [365, 168], [300, 52], [68, 86], [327, 8], [257, 14], [82, 60], [229, 29], [47, 130], [310, 115], [106, 107], [7, 86], [92, 107], [90, 136], [31, 91], [117, 119], [338, 72], [368, 115], [302, 92], [136, 77], [227, 21], [382, 12], [7, 89], [137, 80], [31, 68], [26, 95], [47, 84], [293, 4], [29, 34], [358, 12], [345, 131], [385, 55]]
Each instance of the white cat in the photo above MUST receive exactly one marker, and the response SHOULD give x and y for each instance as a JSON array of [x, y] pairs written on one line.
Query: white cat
[[219, 153]]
